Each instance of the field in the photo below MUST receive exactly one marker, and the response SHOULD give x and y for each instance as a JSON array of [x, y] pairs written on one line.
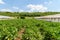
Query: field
[[29, 29]]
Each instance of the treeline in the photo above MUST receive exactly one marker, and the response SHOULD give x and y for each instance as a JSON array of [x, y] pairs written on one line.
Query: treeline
[[28, 14], [34, 14]]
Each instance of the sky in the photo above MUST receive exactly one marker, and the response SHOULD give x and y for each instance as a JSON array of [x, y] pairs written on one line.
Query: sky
[[30, 5]]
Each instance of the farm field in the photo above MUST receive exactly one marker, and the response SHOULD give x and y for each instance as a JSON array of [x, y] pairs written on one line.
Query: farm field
[[29, 29], [29, 19]]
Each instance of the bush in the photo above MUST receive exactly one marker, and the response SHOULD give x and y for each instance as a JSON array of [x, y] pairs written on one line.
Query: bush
[[22, 17]]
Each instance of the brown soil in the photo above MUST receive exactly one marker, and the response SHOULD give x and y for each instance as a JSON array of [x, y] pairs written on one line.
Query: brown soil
[[20, 33]]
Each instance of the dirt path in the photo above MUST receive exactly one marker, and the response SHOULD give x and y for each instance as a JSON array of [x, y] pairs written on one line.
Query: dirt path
[[20, 33]]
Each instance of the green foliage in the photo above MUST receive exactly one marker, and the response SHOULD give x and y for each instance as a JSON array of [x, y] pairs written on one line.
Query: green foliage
[[34, 29], [27, 14], [22, 17]]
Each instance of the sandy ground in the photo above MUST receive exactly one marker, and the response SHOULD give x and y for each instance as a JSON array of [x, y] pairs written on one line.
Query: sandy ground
[[5, 17]]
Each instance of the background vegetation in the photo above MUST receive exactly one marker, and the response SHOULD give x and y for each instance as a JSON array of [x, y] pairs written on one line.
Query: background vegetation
[[27, 14]]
